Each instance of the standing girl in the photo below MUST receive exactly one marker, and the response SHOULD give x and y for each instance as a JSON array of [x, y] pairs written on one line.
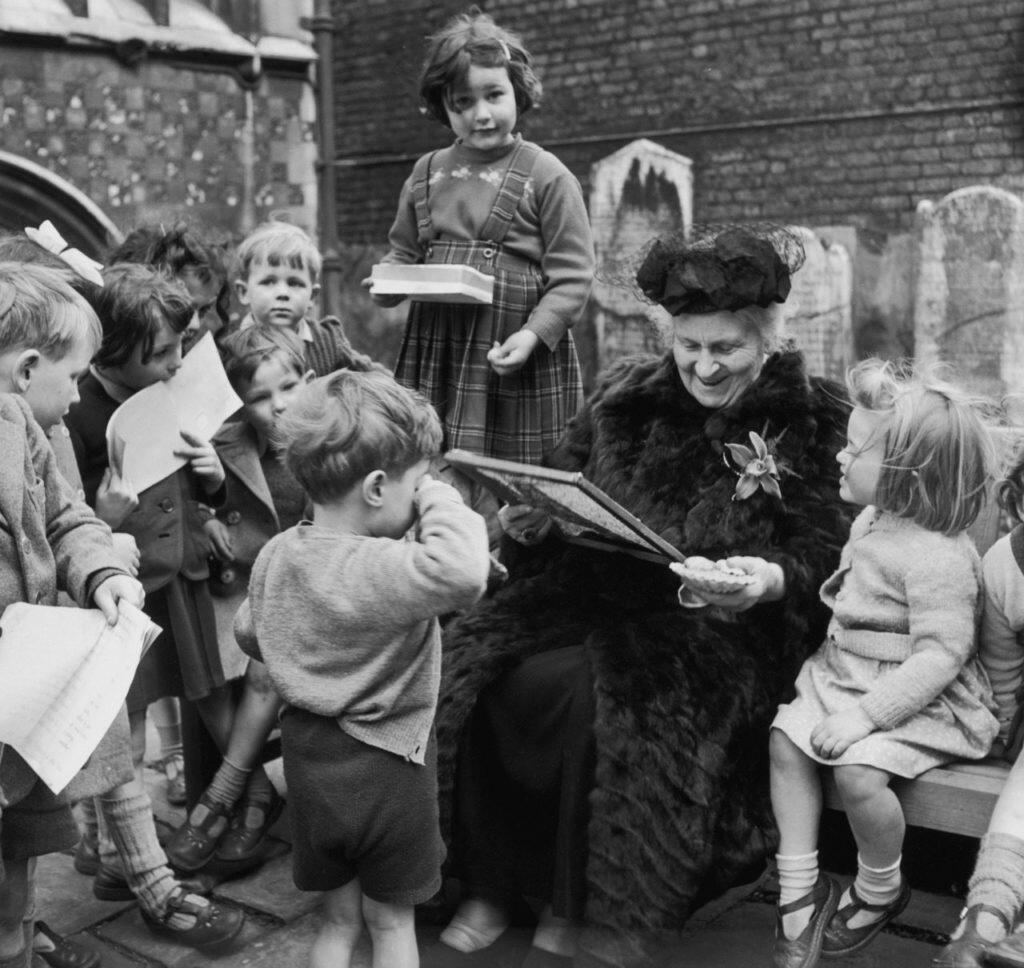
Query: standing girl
[[145, 317], [896, 688], [504, 378]]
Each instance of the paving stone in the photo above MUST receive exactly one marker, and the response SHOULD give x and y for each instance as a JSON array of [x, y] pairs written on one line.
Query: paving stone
[[64, 897], [742, 938], [130, 932], [271, 889]]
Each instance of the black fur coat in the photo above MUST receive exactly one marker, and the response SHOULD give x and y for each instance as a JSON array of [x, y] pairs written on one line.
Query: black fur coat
[[680, 810]]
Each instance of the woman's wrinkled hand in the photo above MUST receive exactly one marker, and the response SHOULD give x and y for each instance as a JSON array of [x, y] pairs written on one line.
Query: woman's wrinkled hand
[[835, 734], [528, 526], [769, 585]]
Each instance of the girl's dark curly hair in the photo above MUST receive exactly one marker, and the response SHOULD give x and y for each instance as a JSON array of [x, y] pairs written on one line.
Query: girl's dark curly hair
[[1010, 488], [474, 38]]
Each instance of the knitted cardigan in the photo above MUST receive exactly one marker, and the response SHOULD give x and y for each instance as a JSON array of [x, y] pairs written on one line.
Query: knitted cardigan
[[680, 809]]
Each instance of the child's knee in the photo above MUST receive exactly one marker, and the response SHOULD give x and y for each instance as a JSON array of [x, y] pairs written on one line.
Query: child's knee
[[783, 752], [859, 783], [381, 917]]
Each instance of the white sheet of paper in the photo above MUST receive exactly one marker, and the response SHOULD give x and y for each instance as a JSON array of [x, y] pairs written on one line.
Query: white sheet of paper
[[64, 673], [145, 430]]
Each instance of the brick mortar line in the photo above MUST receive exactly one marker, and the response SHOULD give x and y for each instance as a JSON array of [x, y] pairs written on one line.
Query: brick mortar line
[[366, 161]]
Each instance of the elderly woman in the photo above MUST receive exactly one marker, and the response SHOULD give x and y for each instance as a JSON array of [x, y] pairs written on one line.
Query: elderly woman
[[601, 748]]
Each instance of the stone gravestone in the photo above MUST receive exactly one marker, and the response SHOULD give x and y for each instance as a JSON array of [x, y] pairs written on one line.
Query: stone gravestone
[[969, 292], [818, 311], [641, 191]]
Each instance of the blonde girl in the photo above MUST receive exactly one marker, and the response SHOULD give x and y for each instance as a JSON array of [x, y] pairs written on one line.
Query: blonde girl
[[896, 688]]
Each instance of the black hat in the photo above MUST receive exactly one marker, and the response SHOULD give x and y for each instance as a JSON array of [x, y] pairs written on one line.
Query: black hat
[[720, 267]]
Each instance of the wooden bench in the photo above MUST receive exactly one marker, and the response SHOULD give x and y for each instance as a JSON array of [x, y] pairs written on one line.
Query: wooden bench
[[957, 798]]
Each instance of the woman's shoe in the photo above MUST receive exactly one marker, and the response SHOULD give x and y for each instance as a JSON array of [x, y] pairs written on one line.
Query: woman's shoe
[[58, 952], [803, 951], [193, 844], [1008, 953], [242, 844], [212, 927], [968, 950], [841, 939]]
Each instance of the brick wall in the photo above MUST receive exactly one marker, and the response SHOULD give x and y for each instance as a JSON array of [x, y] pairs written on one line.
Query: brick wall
[[162, 140], [812, 111]]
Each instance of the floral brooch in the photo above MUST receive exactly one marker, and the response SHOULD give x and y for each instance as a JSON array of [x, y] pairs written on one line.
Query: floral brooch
[[755, 466]]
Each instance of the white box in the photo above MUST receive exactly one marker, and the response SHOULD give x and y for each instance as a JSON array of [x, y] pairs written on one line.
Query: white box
[[433, 283]]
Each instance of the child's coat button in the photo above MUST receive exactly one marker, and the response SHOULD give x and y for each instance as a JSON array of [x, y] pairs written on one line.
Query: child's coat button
[[166, 505], [234, 517]]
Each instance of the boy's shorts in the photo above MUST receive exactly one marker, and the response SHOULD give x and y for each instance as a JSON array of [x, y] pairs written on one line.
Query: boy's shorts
[[33, 820], [359, 811]]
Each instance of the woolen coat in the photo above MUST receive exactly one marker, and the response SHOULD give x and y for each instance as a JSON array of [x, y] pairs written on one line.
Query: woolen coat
[[684, 698], [49, 540]]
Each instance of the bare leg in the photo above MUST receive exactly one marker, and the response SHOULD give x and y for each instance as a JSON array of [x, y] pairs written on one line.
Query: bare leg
[[393, 930], [343, 923], [254, 718], [14, 892], [796, 801], [876, 819], [217, 711]]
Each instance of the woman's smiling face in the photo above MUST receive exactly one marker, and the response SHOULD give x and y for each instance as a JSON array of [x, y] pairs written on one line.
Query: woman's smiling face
[[718, 356]]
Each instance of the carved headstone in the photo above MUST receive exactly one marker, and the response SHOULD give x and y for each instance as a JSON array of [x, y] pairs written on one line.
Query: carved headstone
[[818, 311], [641, 191], [969, 293]]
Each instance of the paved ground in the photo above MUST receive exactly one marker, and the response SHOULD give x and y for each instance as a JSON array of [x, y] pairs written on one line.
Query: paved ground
[[734, 932]]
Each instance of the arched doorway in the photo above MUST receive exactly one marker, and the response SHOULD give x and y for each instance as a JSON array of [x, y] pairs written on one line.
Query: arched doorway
[[30, 194]]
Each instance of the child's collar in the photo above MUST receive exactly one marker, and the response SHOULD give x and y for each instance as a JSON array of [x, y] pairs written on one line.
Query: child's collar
[[303, 330], [116, 391]]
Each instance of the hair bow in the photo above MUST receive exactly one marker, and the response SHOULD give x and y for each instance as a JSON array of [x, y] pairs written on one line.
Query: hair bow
[[50, 239]]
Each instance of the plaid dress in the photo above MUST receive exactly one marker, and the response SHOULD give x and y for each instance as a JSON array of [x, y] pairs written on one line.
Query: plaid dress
[[517, 417]]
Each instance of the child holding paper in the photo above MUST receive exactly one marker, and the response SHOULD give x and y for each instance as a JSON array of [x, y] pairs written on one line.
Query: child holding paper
[[49, 538], [266, 368], [275, 271], [145, 316]]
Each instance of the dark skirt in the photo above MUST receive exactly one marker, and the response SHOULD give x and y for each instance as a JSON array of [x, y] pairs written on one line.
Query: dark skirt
[[523, 780], [517, 417], [184, 661]]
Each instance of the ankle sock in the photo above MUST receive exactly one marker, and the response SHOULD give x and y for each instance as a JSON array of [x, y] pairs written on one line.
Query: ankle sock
[[875, 885], [228, 784], [798, 873], [998, 880]]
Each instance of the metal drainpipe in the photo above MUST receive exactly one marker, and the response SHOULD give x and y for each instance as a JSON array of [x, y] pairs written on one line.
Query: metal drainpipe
[[321, 24]]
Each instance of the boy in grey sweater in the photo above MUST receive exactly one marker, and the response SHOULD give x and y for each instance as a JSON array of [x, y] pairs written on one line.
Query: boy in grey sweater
[[343, 611]]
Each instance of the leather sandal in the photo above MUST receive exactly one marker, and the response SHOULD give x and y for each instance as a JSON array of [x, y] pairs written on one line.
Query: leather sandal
[[967, 951], [193, 844], [64, 953], [1008, 953], [841, 939], [213, 927], [803, 950], [242, 844]]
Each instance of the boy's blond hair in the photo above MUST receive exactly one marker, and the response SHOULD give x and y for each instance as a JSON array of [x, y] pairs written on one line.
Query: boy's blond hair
[[276, 243], [40, 311], [346, 425]]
